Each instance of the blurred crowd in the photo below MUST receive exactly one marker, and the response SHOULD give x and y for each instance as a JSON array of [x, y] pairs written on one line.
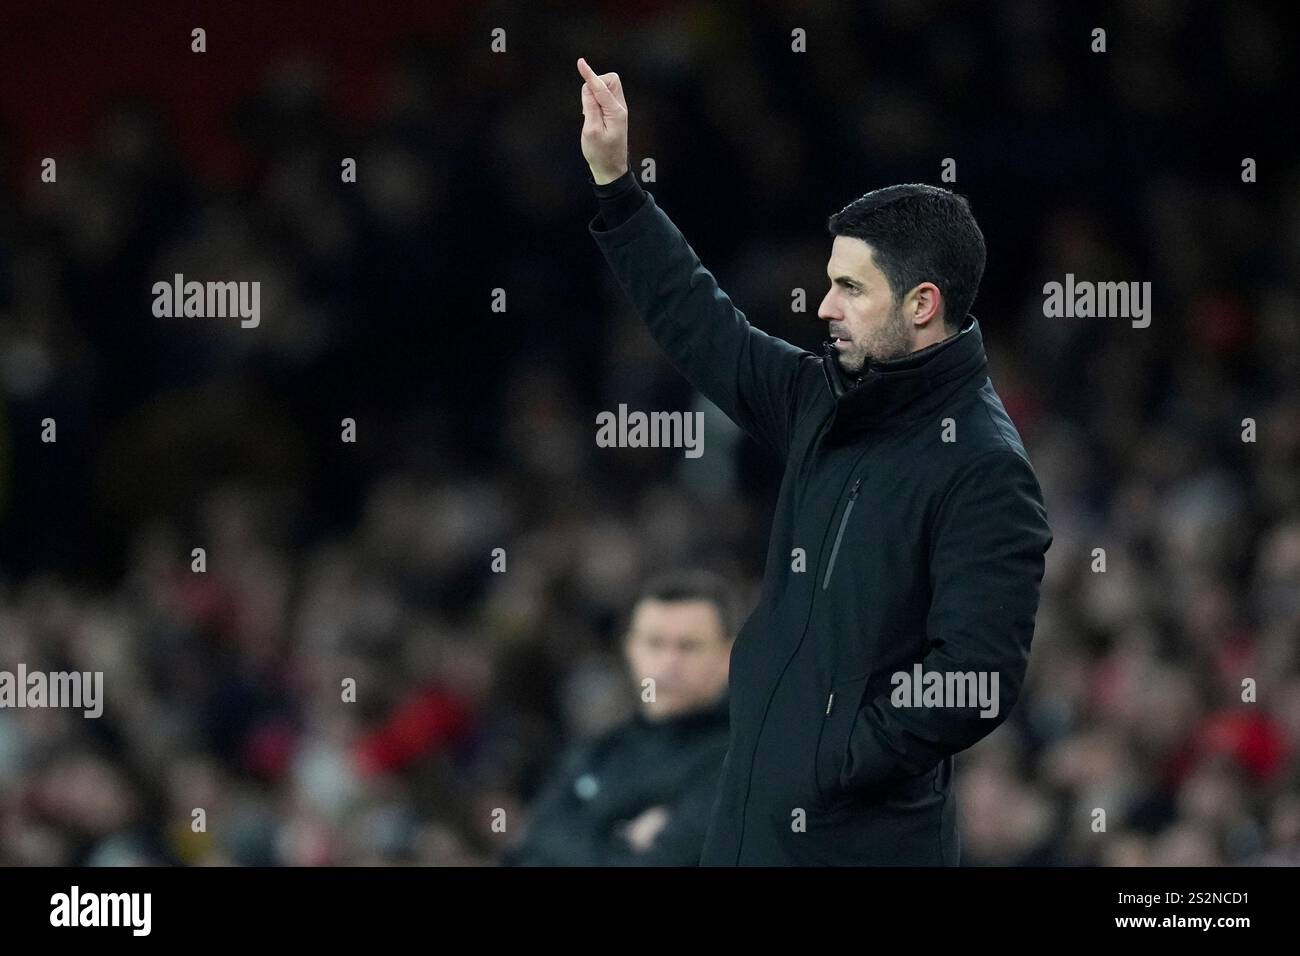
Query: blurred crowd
[[330, 561]]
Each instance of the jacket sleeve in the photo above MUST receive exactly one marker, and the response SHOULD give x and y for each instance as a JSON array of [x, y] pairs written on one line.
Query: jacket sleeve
[[759, 381], [558, 836], [989, 540]]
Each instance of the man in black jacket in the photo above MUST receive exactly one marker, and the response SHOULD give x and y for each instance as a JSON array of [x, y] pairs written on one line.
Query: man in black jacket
[[640, 794], [908, 541]]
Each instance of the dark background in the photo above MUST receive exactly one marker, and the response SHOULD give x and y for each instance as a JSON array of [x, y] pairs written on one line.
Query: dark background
[[475, 429]]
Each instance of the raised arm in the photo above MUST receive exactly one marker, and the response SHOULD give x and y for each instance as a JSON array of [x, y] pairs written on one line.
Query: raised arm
[[761, 382]]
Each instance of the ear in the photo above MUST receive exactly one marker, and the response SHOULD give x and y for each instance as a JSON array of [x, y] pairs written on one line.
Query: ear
[[924, 306]]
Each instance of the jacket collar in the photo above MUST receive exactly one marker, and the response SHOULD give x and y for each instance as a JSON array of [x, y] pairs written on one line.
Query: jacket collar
[[905, 388]]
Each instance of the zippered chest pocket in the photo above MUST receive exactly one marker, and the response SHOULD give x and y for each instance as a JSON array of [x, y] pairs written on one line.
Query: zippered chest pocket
[[839, 534]]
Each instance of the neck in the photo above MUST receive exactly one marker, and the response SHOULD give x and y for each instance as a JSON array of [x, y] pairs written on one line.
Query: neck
[[934, 334]]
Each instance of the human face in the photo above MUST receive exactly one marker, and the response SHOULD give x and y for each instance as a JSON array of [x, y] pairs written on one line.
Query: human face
[[864, 321], [682, 647]]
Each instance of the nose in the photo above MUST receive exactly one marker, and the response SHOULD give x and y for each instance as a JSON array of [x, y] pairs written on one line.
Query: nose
[[827, 309]]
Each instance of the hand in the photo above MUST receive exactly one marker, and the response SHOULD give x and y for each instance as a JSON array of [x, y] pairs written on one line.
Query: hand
[[604, 124], [641, 832]]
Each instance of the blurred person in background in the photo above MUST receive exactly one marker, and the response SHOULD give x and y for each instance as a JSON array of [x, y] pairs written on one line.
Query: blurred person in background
[[640, 794]]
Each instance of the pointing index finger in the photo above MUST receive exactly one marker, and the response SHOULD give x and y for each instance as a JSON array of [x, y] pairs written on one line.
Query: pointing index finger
[[602, 92]]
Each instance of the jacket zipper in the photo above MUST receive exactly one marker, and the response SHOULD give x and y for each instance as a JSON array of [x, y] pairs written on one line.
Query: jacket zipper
[[744, 807], [835, 549]]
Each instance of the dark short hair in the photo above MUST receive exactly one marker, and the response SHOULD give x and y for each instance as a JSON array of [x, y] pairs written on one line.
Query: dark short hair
[[920, 233], [693, 584]]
